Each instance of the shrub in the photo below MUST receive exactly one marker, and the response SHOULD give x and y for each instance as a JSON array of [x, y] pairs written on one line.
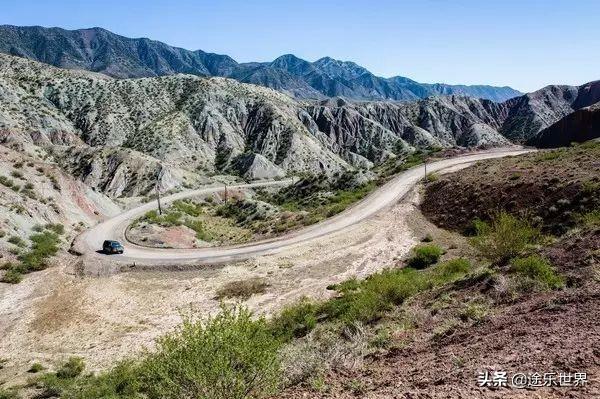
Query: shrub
[[538, 271], [17, 174], [432, 177], [295, 320], [56, 227], [190, 208], [35, 368], [44, 245], [504, 238], [5, 181], [71, 368], [198, 227], [425, 255], [12, 276], [476, 312], [228, 356], [427, 238], [589, 219], [450, 270], [242, 289], [18, 241]]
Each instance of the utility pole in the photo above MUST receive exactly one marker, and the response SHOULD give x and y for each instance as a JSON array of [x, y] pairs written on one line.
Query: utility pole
[[158, 199], [158, 179], [225, 193]]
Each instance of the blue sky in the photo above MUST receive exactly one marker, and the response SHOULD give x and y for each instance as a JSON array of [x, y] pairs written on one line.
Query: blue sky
[[524, 44]]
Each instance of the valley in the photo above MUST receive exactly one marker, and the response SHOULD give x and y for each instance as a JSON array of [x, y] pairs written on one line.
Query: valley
[[330, 232]]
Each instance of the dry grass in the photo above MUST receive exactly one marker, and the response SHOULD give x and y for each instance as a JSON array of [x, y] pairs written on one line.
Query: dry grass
[[242, 289]]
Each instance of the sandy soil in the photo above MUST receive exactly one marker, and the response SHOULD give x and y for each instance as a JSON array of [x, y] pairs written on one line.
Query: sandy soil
[[57, 312]]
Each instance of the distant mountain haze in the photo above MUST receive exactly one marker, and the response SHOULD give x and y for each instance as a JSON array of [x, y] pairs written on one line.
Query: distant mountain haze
[[99, 50]]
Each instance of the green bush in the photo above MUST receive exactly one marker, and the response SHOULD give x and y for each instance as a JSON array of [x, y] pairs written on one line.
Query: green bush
[[44, 245], [504, 238], [367, 300], [12, 276], [450, 270], [538, 271], [295, 320], [228, 356], [56, 228], [5, 181], [18, 241], [187, 207], [425, 255], [589, 219], [71, 368], [35, 368], [198, 227]]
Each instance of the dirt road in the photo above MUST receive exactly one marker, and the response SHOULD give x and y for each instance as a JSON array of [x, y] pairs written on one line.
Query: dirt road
[[90, 241]]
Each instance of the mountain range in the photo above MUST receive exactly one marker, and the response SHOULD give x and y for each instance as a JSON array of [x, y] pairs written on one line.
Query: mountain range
[[120, 135], [99, 50]]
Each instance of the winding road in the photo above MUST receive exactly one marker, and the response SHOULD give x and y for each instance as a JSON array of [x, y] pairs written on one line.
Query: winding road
[[90, 241]]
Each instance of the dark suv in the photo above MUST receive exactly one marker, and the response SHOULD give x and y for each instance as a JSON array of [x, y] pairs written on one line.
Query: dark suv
[[112, 247]]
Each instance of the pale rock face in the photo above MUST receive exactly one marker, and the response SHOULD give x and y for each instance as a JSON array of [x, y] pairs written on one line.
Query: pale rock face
[[256, 166], [119, 135]]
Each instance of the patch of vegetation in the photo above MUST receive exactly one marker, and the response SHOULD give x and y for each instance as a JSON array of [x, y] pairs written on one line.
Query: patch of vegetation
[[367, 300], [243, 289], [8, 394], [396, 165], [188, 207], [295, 320], [71, 368], [35, 368], [18, 241], [424, 256], [504, 237], [432, 177], [536, 272], [5, 181], [476, 312], [319, 197], [44, 245], [12, 275], [589, 219], [17, 175], [229, 356], [208, 227]]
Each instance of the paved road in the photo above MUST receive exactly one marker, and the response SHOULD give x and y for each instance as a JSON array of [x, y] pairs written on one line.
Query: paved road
[[385, 196]]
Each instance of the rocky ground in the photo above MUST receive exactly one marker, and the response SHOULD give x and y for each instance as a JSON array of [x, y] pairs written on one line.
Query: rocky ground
[[473, 326], [552, 187], [56, 312]]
